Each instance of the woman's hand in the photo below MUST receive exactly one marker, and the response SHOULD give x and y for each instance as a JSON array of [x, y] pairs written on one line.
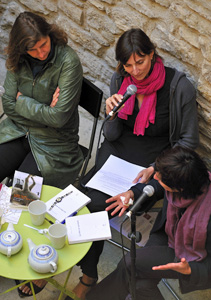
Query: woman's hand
[[117, 204], [145, 175], [181, 267], [113, 101], [55, 97], [18, 94]]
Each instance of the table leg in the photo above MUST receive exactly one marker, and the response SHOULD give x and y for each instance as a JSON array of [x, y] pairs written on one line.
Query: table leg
[[32, 289], [20, 284], [62, 288]]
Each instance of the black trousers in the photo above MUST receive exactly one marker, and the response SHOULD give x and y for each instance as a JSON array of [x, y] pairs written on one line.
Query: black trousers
[[89, 262], [17, 155], [116, 286]]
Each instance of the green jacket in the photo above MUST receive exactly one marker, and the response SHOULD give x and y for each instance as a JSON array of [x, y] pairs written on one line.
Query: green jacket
[[52, 131]]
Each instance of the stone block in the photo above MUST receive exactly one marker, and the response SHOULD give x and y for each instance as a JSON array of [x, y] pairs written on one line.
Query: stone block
[[165, 3], [37, 6], [147, 7], [189, 17], [109, 1], [99, 37], [110, 57], [72, 11], [79, 3], [100, 21], [206, 70], [189, 35], [204, 88], [175, 46], [205, 44], [50, 5], [79, 35], [98, 4], [201, 7], [129, 18]]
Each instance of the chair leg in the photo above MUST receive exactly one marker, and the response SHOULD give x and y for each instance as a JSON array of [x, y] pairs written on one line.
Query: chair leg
[[165, 282]]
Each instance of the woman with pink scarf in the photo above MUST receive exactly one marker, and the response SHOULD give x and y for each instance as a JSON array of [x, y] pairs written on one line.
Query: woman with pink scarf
[[161, 114], [179, 245]]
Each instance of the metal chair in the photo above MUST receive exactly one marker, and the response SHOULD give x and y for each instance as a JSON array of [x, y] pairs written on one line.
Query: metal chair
[[91, 99]]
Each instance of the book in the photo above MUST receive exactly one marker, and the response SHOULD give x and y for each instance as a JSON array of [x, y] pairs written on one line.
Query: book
[[88, 227], [25, 189], [67, 202]]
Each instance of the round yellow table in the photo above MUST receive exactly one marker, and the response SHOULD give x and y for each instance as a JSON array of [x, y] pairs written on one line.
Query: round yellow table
[[17, 267]]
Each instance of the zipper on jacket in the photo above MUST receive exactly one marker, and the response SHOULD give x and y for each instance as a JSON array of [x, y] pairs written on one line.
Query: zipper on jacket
[[27, 134]]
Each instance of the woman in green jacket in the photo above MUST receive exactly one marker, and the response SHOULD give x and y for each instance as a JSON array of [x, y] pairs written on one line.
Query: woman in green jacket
[[42, 92]]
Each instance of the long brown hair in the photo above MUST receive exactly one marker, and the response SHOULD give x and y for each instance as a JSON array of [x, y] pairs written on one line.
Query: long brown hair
[[27, 30]]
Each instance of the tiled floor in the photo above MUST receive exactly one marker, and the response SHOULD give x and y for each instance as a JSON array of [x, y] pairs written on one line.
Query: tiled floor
[[111, 254]]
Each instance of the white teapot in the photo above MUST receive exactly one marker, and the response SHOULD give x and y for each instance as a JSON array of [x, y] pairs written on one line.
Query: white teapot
[[42, 258], [10, 241]]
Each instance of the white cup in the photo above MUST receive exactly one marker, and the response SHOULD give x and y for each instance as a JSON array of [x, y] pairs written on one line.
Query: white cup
[[57, 235], [37, 210]]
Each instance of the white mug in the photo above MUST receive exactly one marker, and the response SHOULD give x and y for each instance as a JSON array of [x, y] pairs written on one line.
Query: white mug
[[57, 235], [37, 210]]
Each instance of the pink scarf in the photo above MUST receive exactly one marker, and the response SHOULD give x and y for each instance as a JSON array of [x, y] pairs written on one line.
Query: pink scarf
[[147, 87], [187, 235]]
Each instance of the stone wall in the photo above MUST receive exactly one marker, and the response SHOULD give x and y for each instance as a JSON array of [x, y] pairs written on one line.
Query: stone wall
[[180, 29]]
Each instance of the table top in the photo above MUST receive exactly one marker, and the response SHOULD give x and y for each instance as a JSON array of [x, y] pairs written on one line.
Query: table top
[[17, 267]]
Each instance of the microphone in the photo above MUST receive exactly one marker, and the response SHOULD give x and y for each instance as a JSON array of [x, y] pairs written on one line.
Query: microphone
[[131, 90], [148, 191], [2, 90]]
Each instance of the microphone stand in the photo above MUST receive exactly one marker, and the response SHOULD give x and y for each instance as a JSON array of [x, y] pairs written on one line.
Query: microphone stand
[[135, 237]]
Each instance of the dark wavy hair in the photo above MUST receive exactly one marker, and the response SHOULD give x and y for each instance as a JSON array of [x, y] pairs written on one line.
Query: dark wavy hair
[[182, 169], [130, 42], [27, 30]]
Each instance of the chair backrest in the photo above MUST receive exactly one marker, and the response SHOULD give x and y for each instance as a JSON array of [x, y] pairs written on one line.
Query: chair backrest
[[91, 97], [90, 100]]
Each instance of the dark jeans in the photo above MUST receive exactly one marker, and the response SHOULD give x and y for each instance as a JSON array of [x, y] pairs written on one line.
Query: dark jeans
[[17, 155], [89, 262], [116, 285]]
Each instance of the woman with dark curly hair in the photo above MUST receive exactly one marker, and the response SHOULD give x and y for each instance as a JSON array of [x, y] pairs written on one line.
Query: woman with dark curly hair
[[179, 245]]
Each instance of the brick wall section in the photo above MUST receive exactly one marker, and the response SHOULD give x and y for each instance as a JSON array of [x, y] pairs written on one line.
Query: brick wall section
[[180, 29]]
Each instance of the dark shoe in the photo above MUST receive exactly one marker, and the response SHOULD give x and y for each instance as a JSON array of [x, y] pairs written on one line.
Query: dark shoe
[[86, 284], [37, 289]]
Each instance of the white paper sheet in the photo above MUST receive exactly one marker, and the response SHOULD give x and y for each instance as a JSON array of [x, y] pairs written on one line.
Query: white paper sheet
[[115, 176]]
